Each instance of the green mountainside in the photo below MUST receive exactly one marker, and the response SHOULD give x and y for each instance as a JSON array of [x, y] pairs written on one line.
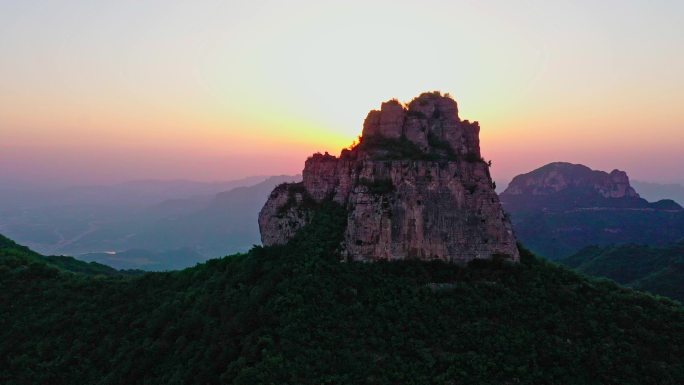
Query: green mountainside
[[659, 270], [295, 314], [12, 254]]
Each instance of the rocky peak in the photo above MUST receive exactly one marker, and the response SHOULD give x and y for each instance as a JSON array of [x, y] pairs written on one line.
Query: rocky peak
[[565, 186], [559, 176], [415, 186], [429, 123]]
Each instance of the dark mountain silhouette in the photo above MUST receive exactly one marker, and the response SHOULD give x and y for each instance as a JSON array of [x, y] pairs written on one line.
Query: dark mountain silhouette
[[560, 208]]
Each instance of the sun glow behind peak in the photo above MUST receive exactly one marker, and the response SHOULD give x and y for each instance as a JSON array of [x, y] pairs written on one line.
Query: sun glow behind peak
[[270, 82]]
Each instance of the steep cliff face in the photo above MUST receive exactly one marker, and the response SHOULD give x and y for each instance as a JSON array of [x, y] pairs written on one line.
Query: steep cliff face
[[415, 187]]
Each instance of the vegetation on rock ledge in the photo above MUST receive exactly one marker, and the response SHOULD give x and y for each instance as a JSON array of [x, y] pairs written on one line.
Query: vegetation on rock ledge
[[378, 186], [307, 203], [403, 149]]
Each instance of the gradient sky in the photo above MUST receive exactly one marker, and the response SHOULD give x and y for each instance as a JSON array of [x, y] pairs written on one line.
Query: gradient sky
[[106, 91]]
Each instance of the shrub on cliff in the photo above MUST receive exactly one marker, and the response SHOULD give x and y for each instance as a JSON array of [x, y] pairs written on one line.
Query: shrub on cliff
[[392, 149], [380, 186]]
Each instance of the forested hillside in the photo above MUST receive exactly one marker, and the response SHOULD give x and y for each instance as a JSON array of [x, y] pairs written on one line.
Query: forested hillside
[[659, 270], [14, 255], [294, 314]]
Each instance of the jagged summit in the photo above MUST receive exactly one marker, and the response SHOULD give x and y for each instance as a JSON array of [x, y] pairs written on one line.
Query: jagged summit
[[415, 187], [427, 128]]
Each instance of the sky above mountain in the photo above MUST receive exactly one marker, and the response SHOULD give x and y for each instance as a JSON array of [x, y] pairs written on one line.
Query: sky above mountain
[[94, 92]]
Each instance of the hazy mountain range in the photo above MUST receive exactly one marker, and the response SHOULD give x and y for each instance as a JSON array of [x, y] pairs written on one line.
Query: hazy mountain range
[[153, 225], [161, 225]]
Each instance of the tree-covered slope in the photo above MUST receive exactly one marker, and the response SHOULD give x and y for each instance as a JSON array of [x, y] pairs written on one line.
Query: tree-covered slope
[[659, 270], [558, 235], [12, 254], [294, 314]]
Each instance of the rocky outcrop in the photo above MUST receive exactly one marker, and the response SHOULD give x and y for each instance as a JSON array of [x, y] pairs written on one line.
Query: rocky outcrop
[[565, 186], [555, 177], [415, 187], [284, 214]]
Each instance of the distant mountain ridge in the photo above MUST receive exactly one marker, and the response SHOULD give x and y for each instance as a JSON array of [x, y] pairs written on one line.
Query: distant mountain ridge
[[563, 186], [559, 208], [189, 231], [151, 225], [137, 192]]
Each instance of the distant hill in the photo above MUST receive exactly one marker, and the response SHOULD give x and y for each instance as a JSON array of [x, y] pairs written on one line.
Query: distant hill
[[560, 208], [659, 270], [295, 314]]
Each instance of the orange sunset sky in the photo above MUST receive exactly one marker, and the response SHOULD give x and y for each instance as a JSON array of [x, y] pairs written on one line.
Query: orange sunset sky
[[104, 92]]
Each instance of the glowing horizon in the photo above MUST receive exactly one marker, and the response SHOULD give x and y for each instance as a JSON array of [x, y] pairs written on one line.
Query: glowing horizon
[[216, 90]]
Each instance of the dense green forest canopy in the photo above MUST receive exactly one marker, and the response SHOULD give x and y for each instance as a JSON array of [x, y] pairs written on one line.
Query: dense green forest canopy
[[659, 270], [295, 314]]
